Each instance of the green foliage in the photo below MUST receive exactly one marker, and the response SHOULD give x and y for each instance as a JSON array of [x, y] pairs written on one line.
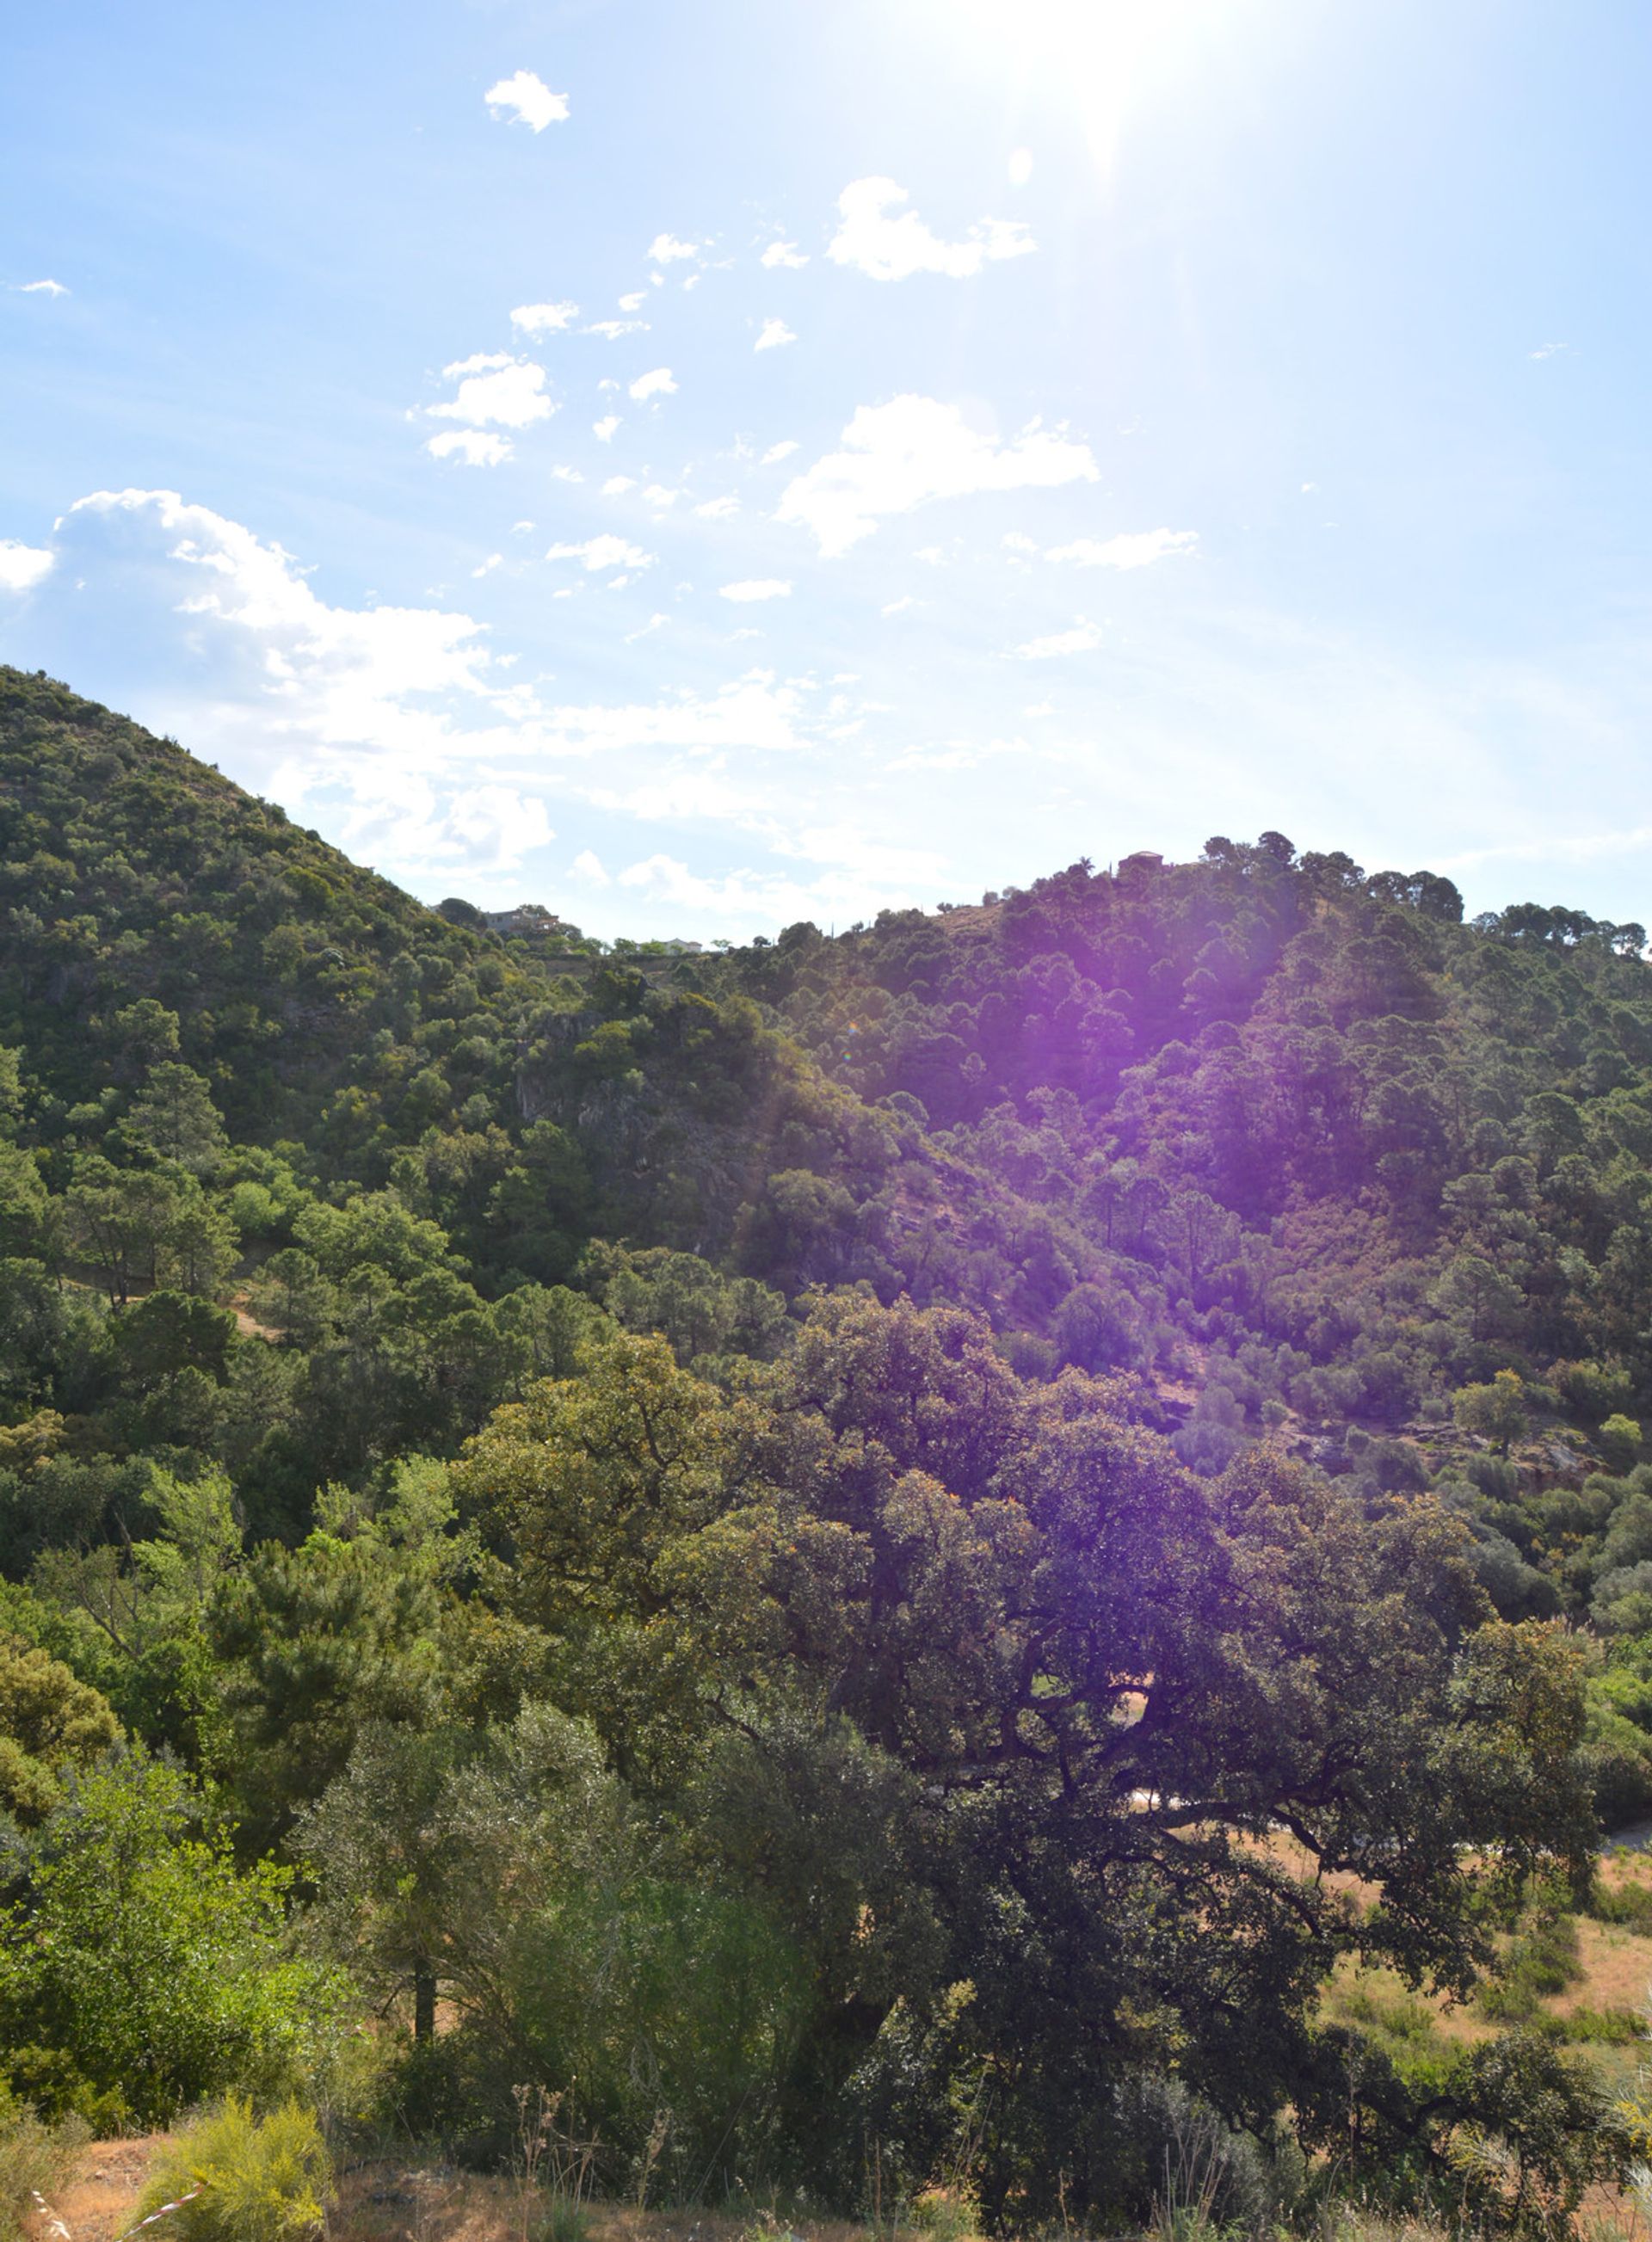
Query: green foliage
[[144, 1963], [775, 1537], [35, 2160], [50, 1723], [251, 2179]]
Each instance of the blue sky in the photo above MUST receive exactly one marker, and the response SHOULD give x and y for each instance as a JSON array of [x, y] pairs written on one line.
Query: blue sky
[[699, 467]]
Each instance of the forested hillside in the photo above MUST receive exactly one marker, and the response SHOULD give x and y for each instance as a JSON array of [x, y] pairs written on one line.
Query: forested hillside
[[881, 1560]]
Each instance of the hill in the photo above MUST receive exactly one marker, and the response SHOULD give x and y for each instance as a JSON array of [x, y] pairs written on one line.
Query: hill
[[795, 1530]]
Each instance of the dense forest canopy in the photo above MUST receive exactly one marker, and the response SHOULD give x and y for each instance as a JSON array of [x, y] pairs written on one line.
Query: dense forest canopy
[[988, 1501]]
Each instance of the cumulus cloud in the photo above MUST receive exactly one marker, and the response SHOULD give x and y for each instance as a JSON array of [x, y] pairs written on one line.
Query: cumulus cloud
[[1139, 550], [661, 494], [887, 246], [784, 254], [42, 288], [657, 384], [778, 452], [617, 485], [774, 333], [470, 445], [758, 587], [914, 450], [666, 249], [634, 301], [603, 429], [600, 552], [23, 566], [527, 99], [1083, 638], [544, 319], [495, 390]]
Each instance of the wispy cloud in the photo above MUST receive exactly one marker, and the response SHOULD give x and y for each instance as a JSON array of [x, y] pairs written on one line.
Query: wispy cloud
[[1083, 638], [597, 553], [911, 452], [544, 319], [527, 99], [1137, 550], [758, 587], [495, 390], [470, 446], [889, 247], [42, 288], [775, 333]]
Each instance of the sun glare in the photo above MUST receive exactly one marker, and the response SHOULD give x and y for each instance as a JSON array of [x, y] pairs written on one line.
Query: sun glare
[[1101, 55]]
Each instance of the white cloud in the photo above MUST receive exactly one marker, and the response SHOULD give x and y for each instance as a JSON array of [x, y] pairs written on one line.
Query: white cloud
[[911, 451], [1020, 167], [470, 446], [891, 248], [1137, 551], [775, 452], [42, 288], [784, 254], [666, 249], [544, 319], [23, 566], [493, 560], [494, 389], [657, 384], [652, 624], [758, 587], [634, 303], [1543, 350], [528, 99], [597, 552], [587, 865], [718, 509], [603, 429], [899, 607], [1083, 638], [562, 474], [660, 494], [1017, 541], [774, 333], [611, 330], [617, 485]]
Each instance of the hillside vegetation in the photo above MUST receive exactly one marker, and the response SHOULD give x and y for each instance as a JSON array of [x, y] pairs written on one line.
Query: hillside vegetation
[[931, 1559]]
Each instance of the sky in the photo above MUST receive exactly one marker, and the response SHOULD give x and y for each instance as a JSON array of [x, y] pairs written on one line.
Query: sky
[[700, 466]]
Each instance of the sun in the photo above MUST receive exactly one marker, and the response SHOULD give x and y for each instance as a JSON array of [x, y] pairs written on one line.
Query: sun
[[1100, 56]]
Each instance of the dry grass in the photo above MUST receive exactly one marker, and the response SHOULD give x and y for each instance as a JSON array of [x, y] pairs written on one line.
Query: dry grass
[[391, 2199]]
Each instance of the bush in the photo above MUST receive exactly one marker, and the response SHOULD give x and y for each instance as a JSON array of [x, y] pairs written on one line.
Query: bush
[[260, 2179], [139, 1960], [34, 2159]]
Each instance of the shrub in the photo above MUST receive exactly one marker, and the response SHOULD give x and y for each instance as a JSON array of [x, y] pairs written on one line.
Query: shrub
[[260, 2179], [34, 2159], [138, 1959]]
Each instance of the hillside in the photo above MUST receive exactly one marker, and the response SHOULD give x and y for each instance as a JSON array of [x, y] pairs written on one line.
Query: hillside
[[795, 1530]]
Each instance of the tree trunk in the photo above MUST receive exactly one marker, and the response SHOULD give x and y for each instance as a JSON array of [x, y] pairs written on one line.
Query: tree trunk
[[423, 2004]]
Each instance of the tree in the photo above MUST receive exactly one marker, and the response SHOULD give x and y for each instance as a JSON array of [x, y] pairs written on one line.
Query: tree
[[50, 1723], [1496, 1411], [139, 1964], [173, 1114]]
